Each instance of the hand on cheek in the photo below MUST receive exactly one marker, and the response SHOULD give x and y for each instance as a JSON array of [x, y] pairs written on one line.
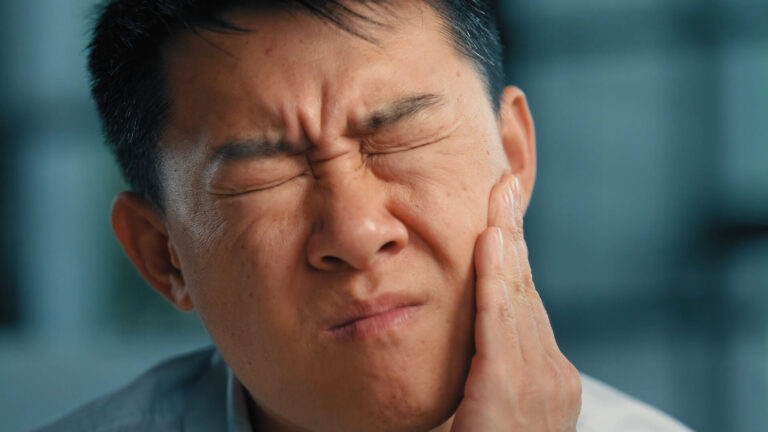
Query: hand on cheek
[[519, 380]]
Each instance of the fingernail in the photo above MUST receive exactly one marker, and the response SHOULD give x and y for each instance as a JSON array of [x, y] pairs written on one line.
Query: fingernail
[[509, 199], [516, 189], [498, 244]]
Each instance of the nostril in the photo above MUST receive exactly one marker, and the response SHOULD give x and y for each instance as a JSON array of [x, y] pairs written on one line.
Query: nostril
[[388, 246], [331, 260]]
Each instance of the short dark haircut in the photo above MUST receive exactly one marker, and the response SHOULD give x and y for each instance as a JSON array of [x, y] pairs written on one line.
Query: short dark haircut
[[128, 84]]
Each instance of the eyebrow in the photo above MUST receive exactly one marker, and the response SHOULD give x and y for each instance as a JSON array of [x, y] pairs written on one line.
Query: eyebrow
[[400, 109], [388, 115], [250, 148]]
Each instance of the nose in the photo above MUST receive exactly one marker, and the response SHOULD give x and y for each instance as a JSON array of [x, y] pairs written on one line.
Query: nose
[[355, 228]]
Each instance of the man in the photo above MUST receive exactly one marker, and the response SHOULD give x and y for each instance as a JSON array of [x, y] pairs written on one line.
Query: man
[[338, 189]]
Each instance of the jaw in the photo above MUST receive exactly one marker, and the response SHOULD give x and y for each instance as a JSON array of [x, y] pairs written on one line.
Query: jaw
[[410, 382]]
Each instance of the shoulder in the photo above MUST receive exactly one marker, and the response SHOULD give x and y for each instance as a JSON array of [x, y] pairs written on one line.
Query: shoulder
[[607, 409], [159, 399]]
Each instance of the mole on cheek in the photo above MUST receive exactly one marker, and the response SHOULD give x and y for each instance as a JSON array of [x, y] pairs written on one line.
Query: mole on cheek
[[268, 51]]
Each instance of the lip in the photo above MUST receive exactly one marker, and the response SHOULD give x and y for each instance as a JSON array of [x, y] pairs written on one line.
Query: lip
[[364, 319]]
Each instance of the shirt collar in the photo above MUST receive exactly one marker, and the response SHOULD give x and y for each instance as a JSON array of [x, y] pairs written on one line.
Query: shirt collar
[[216, 400], [238, 419]]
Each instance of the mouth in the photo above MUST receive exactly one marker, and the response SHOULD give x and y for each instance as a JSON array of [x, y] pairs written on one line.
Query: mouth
[[368, 319]]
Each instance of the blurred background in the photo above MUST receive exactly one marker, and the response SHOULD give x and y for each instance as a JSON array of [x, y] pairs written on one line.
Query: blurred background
[[648, 229]]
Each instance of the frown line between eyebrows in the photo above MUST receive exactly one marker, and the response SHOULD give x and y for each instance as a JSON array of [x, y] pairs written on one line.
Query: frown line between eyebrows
[[249, 149]]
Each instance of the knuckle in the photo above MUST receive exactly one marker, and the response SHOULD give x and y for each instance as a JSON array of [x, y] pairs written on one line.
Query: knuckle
[[504, 313], [492, 274], [553, 384], [527, 277], [499, 274], [555, 377], [494, 288], [516, 233], [572, 378], [575, 383], [532, 300]]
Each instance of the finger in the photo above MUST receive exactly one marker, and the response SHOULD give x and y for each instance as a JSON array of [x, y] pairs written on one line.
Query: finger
[[495, 327], [522, 268], [543, 325], [502, 213], [506, 212], [531, 346], [544, 356], [501, 208]]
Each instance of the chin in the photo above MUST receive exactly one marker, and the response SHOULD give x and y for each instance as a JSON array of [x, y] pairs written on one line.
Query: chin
[[415, 398], [402, 415], [411, 380], [389, 410], [418, 390], [419, 393]]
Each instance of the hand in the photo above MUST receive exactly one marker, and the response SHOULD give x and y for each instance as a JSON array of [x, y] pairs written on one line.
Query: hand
[[518, 380]]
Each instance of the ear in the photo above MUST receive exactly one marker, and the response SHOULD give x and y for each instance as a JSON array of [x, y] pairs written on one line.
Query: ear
[[519, 139], [141, 231]]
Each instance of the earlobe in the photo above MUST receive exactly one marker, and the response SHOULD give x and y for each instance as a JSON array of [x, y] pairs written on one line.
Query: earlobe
[[519, 139], [140, 230]]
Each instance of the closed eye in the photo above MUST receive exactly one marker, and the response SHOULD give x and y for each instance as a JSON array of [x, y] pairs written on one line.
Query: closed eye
[[258, 188], [388, 143], [373, 151]]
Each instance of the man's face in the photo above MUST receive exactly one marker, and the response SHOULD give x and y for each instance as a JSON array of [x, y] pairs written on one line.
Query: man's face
[[324, 197]]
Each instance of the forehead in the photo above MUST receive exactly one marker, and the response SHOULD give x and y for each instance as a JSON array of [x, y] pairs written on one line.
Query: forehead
[[290, 61]]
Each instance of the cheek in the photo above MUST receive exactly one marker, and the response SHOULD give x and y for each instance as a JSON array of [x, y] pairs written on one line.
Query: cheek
[[443, 194], [246, 266]]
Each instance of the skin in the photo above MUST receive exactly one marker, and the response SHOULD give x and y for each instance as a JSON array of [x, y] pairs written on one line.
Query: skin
[[270, 249]]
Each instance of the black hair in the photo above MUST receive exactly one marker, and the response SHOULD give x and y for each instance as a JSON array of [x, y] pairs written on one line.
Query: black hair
[[128, 84]]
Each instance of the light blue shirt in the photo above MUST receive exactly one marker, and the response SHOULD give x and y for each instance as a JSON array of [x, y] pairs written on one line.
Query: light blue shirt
[[197, 392]]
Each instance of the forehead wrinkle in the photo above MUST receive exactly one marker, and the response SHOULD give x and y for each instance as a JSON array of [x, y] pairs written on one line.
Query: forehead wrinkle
[[331, 118], [325, 117]]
